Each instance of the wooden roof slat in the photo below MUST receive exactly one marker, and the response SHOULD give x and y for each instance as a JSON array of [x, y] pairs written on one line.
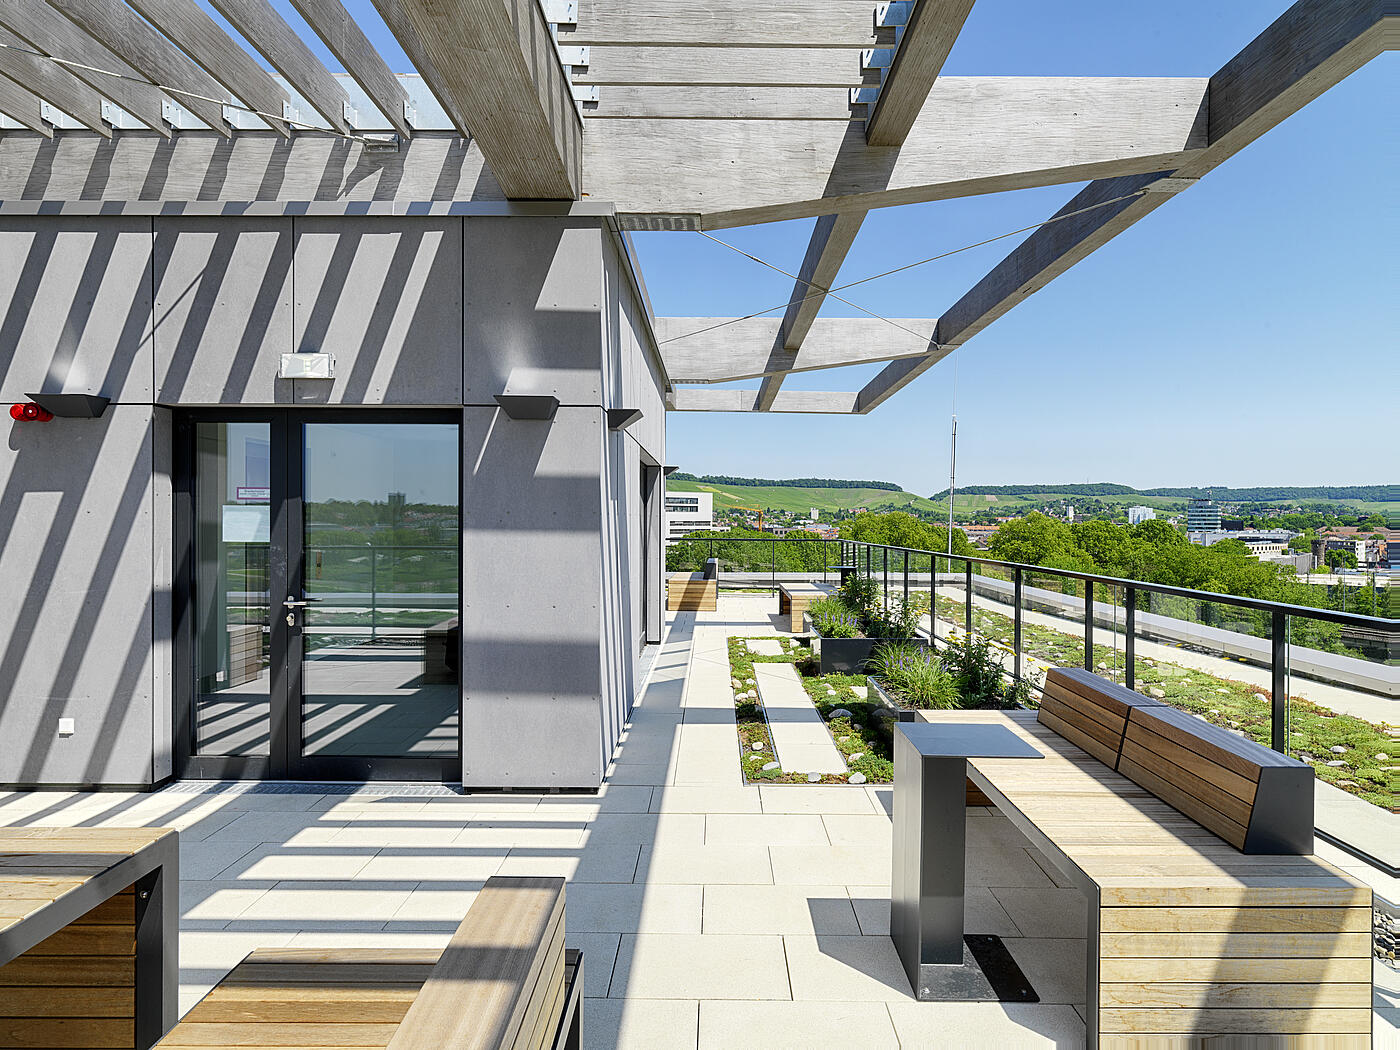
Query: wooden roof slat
[[51, 82], [279, 43], [23, 106], [928, 38], [185, 23], [408, 38], [44, 29], [349, 44], [156, 58], [684, 66], [726, 23]]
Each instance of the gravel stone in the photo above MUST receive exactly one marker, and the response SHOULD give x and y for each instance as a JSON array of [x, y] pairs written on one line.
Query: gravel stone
[[757, 746], [856, 778], [813, 778], [1337, 749]]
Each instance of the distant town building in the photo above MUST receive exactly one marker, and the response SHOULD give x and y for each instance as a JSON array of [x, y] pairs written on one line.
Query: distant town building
[[1137, 515], [815, 514], [1202, 515], [1264, 544], [688, 512]]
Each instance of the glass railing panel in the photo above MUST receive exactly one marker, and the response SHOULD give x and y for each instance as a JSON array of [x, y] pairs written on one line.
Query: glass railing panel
[[1343, 688]]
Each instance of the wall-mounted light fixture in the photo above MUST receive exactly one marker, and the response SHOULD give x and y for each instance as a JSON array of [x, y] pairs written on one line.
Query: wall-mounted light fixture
[[306, 365], [622, 418], [73, 406], [528, 406]]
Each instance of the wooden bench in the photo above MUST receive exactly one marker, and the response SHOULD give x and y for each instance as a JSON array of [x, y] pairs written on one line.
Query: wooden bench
[[505, 980], [1209, 921], [691, 592], [793, 600]]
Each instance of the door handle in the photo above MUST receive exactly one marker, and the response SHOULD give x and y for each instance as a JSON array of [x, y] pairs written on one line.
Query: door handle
[[293, 603]]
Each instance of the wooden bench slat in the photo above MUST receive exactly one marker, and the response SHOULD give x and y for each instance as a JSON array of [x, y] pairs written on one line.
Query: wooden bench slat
[[1141, 742], [318, 1034], [1232, 920], [214, 1009], [1232, 831], [65, 1033], [1230, 1022], [67, 1002], [1217, 994], [1101, 751], [1241, 891], [1237, 1041], [1282, 971], [1235, 945]]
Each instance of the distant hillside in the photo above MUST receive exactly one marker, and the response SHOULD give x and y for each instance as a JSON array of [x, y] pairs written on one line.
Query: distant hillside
[[827, 495], [788, 483], [1264, 494]]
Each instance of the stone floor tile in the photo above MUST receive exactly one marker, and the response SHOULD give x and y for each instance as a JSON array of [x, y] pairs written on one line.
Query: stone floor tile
[[649, 774], [674, 966], [850, 829], [987, 1026], [838, 969], [207, 859], [727, 1024], [599, 957], [1049, 912], [639, 1024], [998, 866], [799, 798], [422, 864], [504, 833], [210, 904], [435, 907], [305, 904], [982, 913], [704, 864], [1055, 967], [695, 799], [599, 907], [206, 956], [616, 863], [830, 865], [302, 829], [748, 829], [440, 834], [778, 909], [670, 829]]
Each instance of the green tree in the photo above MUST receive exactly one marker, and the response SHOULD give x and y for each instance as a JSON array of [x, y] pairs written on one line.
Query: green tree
[[1032, 540], [1337, 558]]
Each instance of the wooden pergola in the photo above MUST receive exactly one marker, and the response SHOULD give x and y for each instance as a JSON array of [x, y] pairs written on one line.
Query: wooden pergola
[[675, 115]]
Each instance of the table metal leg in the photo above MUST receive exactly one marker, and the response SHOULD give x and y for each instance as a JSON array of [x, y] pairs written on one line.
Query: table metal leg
[[157, 952]]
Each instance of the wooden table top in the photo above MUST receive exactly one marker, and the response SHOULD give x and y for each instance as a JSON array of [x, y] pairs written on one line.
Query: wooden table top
[[42, 868], [1133, 845]]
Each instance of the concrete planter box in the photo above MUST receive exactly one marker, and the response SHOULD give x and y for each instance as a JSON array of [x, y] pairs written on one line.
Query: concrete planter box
[[845, 655]]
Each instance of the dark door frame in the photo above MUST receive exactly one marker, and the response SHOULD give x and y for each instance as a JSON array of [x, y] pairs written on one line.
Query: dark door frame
[[285, 557]]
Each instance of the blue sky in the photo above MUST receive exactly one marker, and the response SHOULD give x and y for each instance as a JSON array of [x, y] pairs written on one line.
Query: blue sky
[[1244, 333]]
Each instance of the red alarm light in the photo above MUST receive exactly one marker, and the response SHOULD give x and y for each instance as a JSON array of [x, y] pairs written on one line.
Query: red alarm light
[[29, 412]]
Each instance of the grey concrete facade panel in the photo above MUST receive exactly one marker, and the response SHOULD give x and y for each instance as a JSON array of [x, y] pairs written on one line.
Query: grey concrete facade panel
[[532, 579], [75, 307], [383, 295], [76, 630], [534, 304], [223, 309]]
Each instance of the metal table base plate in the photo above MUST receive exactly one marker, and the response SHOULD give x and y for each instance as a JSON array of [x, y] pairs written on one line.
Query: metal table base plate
[[988, 974]]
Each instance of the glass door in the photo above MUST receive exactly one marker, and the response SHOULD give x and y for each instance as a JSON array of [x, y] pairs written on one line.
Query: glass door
[[375, 619], [318, 609]]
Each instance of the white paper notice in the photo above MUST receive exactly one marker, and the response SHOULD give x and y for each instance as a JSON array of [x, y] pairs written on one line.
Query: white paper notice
[[247, 524]]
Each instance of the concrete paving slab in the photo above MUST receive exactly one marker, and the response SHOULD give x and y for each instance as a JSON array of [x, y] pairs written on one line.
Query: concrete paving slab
[[764, 829], [988, 1026], [849, 969], [634, 908], [726, 1024], [765, 646], [673, 966], [800, 737], [817, 910], [640, 1024]]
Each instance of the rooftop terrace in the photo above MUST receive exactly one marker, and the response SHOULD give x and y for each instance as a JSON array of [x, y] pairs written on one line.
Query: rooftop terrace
[[711, 913]]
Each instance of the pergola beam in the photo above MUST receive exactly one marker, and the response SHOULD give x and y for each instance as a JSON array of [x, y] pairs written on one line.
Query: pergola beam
[[155, 58], [974, 135], [269, 32], [407, 36], [831, 240], [928, 37], [748, 348], [23, 107], [498, 63], [47, 31], [821, 402], [360, 58], [1310, 48]]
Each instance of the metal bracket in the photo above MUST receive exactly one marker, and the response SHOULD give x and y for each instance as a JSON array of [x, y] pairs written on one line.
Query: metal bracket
[[864, 96], [49, 114], [174, 114], [110, 114], [348, 112], [560, 12], [895, 13], [584, 92], [410, 113], [876, 58], [573, 55]]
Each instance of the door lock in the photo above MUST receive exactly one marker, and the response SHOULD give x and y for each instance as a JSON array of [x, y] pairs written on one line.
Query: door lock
[[291, 620]]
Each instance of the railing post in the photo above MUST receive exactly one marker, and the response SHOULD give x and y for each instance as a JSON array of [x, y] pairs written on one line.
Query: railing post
[[886, 591], [1278, 714], [1130, 629], [906, 576], [1016, 620], [773, 565], [1088, 625], [967, 612], [373, 594]]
